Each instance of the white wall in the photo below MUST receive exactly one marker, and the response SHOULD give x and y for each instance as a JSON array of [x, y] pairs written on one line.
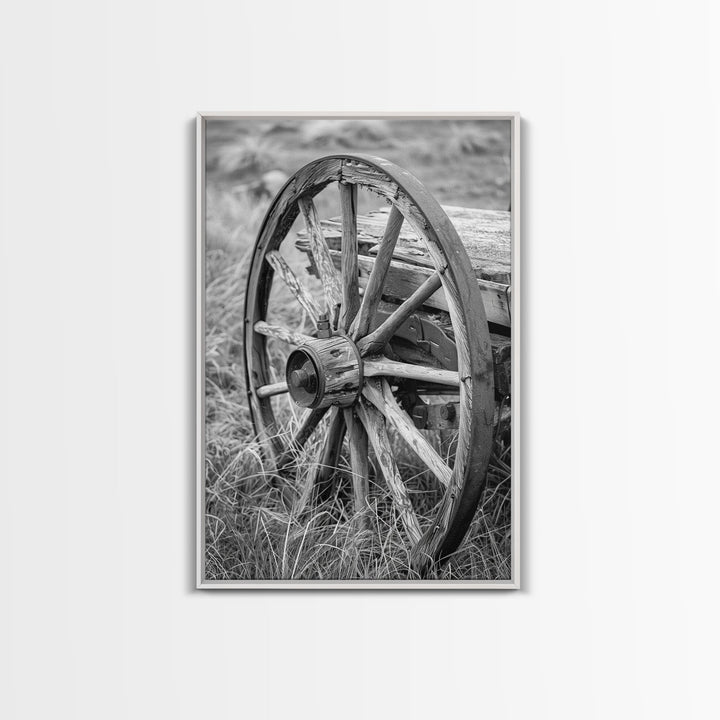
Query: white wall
[[618, 617]]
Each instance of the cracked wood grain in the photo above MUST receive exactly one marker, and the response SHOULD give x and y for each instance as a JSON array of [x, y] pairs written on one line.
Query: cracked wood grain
[[321, 254], [278, 264], [349, 261], [359, 462], [377, 339], [378, 274], [378, 392], [374, 423], [382, 366], [281, 333]]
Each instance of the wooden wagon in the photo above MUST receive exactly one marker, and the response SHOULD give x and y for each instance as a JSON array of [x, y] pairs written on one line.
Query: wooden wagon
[[408, 329]]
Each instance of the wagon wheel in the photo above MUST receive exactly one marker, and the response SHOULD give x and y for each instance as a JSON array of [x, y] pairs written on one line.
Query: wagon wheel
[[340, 369]]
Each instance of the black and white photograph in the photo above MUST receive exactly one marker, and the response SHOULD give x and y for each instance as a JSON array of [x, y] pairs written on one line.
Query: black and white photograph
[[356, 350]]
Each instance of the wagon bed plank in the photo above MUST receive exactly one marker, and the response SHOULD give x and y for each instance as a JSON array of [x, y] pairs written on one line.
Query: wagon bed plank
[[486, 235]]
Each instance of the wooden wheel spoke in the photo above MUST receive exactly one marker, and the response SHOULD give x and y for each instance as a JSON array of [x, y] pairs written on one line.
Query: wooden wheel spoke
[[376, 340], [349, 255], [307, 426], [382, 366], [321, 254], [321, 474], [281, 333], [374, 423], [358, 442], [378, 392], [376, 281], [266, 391], [278, 264]]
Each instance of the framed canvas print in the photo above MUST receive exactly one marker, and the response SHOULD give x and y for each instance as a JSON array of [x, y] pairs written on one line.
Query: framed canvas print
[[358, 345]]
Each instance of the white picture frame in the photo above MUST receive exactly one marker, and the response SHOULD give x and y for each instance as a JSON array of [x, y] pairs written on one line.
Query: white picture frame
[[516, 339]]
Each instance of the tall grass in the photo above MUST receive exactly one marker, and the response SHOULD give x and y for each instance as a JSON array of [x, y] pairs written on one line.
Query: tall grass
[[255, 530]]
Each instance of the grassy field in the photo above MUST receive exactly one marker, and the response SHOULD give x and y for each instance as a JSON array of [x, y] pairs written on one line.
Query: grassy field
[[252, 531]]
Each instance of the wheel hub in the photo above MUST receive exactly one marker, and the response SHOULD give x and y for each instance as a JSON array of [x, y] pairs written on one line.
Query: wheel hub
[[324, 372]]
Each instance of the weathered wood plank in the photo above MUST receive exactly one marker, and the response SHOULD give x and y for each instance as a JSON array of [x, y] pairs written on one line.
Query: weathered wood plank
[[404, 279], [486, 235]]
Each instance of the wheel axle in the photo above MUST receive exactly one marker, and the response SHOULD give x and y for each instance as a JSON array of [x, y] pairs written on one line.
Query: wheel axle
[[324, 372], [302, 379]]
